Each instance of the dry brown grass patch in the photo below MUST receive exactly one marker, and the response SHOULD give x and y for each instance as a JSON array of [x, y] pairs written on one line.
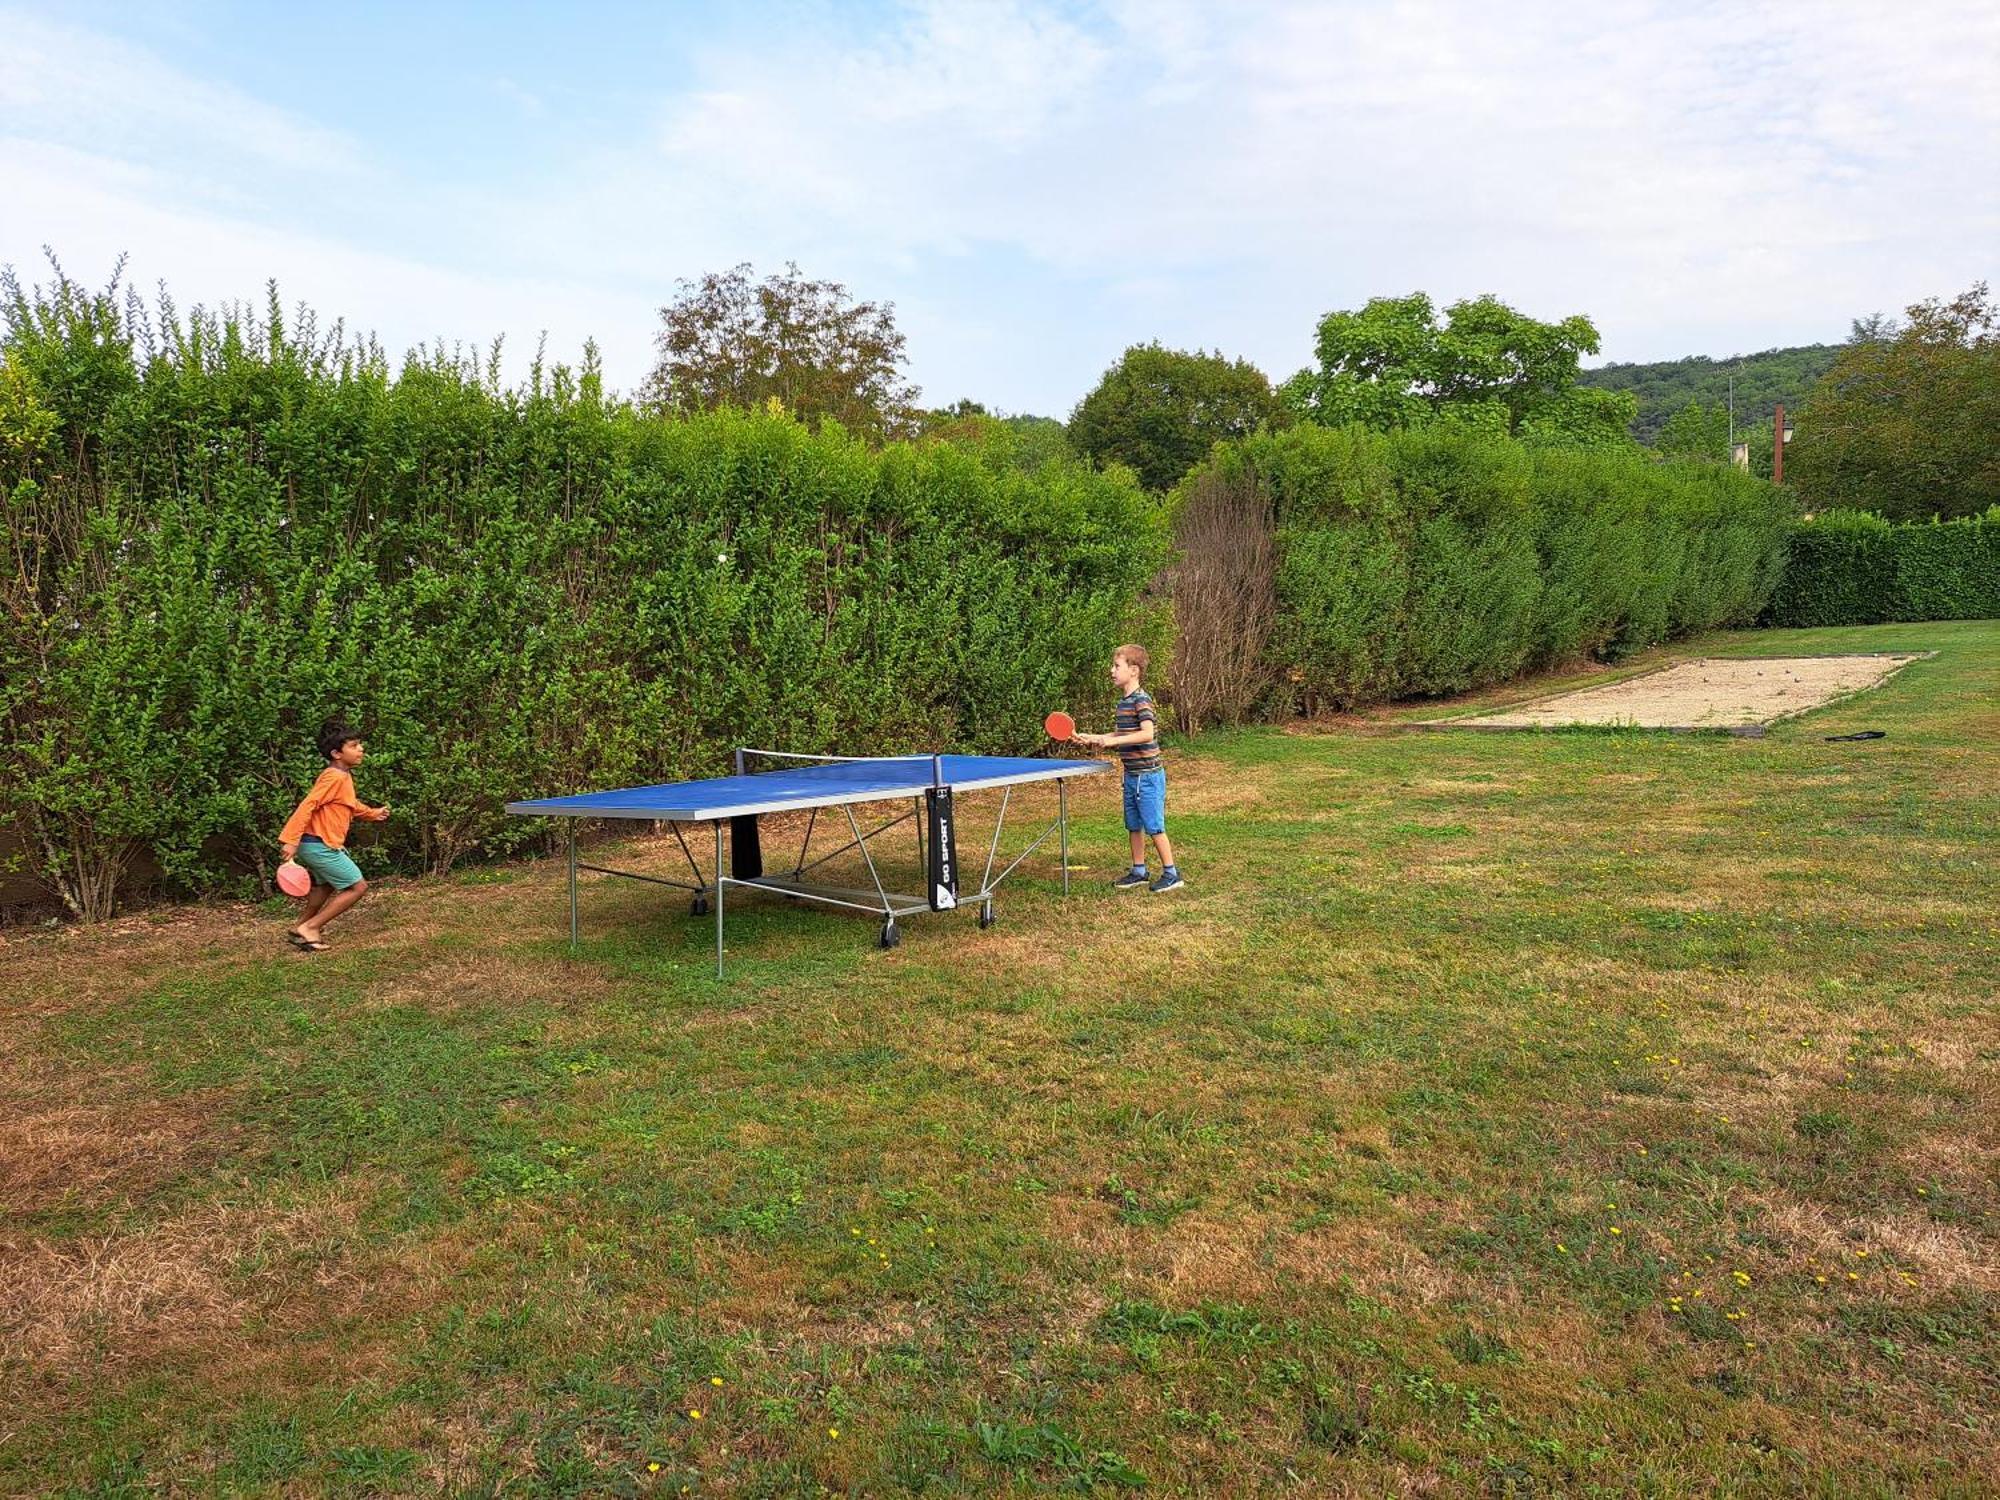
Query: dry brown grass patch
[[1946, 1254], [1937, 1254], [1962, 1161], [75, 968], [1360, 1251], [192, 1279], [1202, 1257], [1455, 786], [75, 1154], [471, 979]]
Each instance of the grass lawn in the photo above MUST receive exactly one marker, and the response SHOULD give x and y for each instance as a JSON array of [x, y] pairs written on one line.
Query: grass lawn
[[1582, 1113]]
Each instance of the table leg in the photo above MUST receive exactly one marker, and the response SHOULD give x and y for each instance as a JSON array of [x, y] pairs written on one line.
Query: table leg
[[1062, 821]]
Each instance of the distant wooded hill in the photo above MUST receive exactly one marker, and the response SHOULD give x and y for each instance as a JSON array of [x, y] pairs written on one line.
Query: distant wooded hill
[[1762, 381]]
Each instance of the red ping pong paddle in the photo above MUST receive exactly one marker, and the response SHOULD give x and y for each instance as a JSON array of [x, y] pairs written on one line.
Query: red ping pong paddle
[[293, 879], [1060, 726]]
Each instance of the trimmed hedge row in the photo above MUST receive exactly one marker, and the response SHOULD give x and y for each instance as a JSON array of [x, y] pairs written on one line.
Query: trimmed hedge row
[[513, 592], [1434, 561], [1854, 568]]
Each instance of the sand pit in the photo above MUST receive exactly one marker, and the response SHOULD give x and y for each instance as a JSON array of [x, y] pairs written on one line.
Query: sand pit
[[1736, 693]]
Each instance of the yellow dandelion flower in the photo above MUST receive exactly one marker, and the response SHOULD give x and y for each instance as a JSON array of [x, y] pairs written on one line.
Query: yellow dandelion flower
[[1562, 1249], [834, 1433], [694, 1412], [715, 1380], [653, 1468], [1616, 1230]]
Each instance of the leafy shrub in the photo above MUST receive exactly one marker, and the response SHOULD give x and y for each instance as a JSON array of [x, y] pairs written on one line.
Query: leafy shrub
[[1854, 568], [220, 530], [1440, 559]]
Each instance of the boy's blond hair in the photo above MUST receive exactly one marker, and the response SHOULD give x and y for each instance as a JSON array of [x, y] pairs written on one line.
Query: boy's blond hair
[[1137, 655]]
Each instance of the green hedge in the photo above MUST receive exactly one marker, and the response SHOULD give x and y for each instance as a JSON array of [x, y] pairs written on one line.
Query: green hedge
[[217, 542], [1852, 568], [1434, 561]]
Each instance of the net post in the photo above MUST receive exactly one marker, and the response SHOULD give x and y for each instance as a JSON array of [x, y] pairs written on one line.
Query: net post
[[739, 760]]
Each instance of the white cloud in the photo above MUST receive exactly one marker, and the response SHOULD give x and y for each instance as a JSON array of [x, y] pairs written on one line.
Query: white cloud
[[1696, 177], [1512, 145], [65, 84]]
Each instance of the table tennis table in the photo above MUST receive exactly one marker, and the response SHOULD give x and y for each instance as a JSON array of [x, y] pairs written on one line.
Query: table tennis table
[[813, 784]]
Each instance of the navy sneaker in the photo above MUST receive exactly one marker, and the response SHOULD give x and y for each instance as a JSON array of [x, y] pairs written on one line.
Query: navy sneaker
[[1131, 880], [1170, 880]]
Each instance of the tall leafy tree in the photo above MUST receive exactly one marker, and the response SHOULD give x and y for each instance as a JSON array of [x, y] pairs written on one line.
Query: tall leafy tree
[[1907, 422], [1160, 410], [727, 340], [1395, 364]]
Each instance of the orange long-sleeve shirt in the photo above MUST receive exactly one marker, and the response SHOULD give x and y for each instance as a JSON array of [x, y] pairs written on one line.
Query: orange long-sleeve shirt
[[330, 807]]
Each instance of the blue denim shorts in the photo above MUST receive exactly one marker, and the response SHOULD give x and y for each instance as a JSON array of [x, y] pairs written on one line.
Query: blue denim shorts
[[1146, 802], [332, 867]]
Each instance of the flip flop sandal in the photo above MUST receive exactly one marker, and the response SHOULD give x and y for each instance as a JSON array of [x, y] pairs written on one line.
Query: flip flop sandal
[[306, 947]]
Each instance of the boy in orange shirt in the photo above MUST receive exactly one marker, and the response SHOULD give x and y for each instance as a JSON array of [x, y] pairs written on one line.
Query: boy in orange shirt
[[316, 836]]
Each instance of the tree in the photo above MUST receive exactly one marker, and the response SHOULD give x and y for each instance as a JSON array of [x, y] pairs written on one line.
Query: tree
[[1394, 365], [1697, 431], [1874, 328], [1159, 411], [1907, 422], [728, 341]]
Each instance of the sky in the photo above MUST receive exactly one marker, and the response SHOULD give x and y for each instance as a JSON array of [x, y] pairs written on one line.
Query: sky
[[1033, 186]]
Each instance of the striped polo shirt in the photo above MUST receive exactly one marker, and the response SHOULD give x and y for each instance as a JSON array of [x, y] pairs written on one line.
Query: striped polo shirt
[[1135, 710]]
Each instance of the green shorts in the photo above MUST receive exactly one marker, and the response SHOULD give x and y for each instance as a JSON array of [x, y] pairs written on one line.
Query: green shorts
[[328, 866]]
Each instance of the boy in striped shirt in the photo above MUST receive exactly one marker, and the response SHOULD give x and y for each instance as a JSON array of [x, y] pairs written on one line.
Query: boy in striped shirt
[[1135, 736]]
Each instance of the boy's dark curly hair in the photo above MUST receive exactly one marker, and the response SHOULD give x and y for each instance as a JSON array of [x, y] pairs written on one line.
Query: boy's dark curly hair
[[334, 733]]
